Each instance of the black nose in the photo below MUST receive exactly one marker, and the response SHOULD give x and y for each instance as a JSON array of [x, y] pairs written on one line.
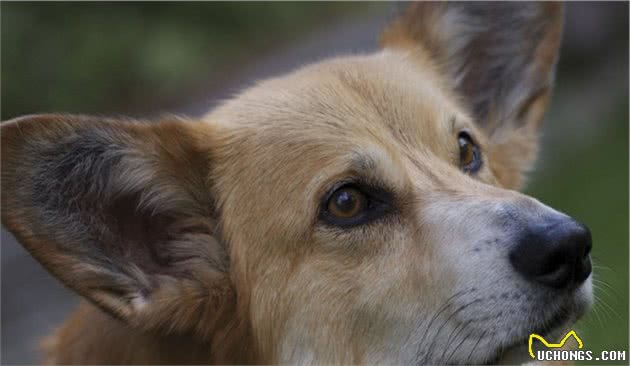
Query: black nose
[[555, 254]]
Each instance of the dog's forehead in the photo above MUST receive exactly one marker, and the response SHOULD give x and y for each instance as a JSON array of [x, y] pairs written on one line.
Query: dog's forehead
[[385, 98]]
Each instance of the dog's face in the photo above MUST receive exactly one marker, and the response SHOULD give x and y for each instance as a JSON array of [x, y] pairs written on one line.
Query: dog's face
[[357, 210]]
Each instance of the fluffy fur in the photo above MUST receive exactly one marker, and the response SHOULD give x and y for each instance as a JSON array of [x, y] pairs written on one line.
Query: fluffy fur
[[200, 241]]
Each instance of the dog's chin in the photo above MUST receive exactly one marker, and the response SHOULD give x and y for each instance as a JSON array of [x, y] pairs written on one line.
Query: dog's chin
[[516, 355], [516, 352]]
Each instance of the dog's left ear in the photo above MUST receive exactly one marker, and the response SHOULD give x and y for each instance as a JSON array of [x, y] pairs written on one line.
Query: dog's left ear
[[500, 58], [122, 213]]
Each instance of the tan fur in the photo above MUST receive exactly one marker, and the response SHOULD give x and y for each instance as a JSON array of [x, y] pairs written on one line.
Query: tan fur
[[243, 272]]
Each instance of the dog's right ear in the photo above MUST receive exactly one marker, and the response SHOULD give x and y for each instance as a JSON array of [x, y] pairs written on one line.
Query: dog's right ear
[[498, 57], [121, 212]]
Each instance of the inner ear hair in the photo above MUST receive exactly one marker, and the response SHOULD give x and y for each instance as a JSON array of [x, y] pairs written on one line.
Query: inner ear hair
[[119, 211]]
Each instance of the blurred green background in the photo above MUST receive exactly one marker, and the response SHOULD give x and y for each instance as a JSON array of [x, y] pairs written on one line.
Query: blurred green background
[[94, 57], [148, 58]]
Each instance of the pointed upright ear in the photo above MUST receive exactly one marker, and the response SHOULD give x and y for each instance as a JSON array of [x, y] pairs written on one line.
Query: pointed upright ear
[[499, 58], [121, 212]]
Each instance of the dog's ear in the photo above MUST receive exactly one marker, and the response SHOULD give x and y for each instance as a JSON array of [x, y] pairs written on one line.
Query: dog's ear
[[121, 212], [499, 58]]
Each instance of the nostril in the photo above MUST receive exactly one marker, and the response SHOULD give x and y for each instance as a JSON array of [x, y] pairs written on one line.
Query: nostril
[[583, 270], [555, 270], [556, 279], [584, 267], [553, 263]]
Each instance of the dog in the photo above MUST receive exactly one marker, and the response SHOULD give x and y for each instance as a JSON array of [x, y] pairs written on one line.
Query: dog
[[359, 210]]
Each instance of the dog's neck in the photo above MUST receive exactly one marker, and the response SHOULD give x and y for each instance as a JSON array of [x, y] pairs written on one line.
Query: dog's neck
[[94, 337]]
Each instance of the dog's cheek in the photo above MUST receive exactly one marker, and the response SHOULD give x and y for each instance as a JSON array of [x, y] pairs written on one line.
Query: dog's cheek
[[385, 282]]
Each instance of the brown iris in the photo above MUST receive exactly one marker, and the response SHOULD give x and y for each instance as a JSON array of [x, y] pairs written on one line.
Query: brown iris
[[347, 202], [469, 154]]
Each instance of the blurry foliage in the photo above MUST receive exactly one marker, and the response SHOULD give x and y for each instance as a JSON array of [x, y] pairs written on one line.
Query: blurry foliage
[[92, 57]]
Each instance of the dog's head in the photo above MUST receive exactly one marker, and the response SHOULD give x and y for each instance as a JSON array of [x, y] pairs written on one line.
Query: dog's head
[[362, 209]]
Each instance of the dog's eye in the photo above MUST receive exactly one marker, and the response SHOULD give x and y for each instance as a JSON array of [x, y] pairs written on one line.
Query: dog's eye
[[469, 153], [347, 202], [352, 204]]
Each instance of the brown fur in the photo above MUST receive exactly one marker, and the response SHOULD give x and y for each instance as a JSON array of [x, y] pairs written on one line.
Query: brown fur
[[199, 243]]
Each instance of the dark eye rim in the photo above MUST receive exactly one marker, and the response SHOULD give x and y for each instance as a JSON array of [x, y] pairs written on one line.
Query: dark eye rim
[[378, 205], [477, 162]]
